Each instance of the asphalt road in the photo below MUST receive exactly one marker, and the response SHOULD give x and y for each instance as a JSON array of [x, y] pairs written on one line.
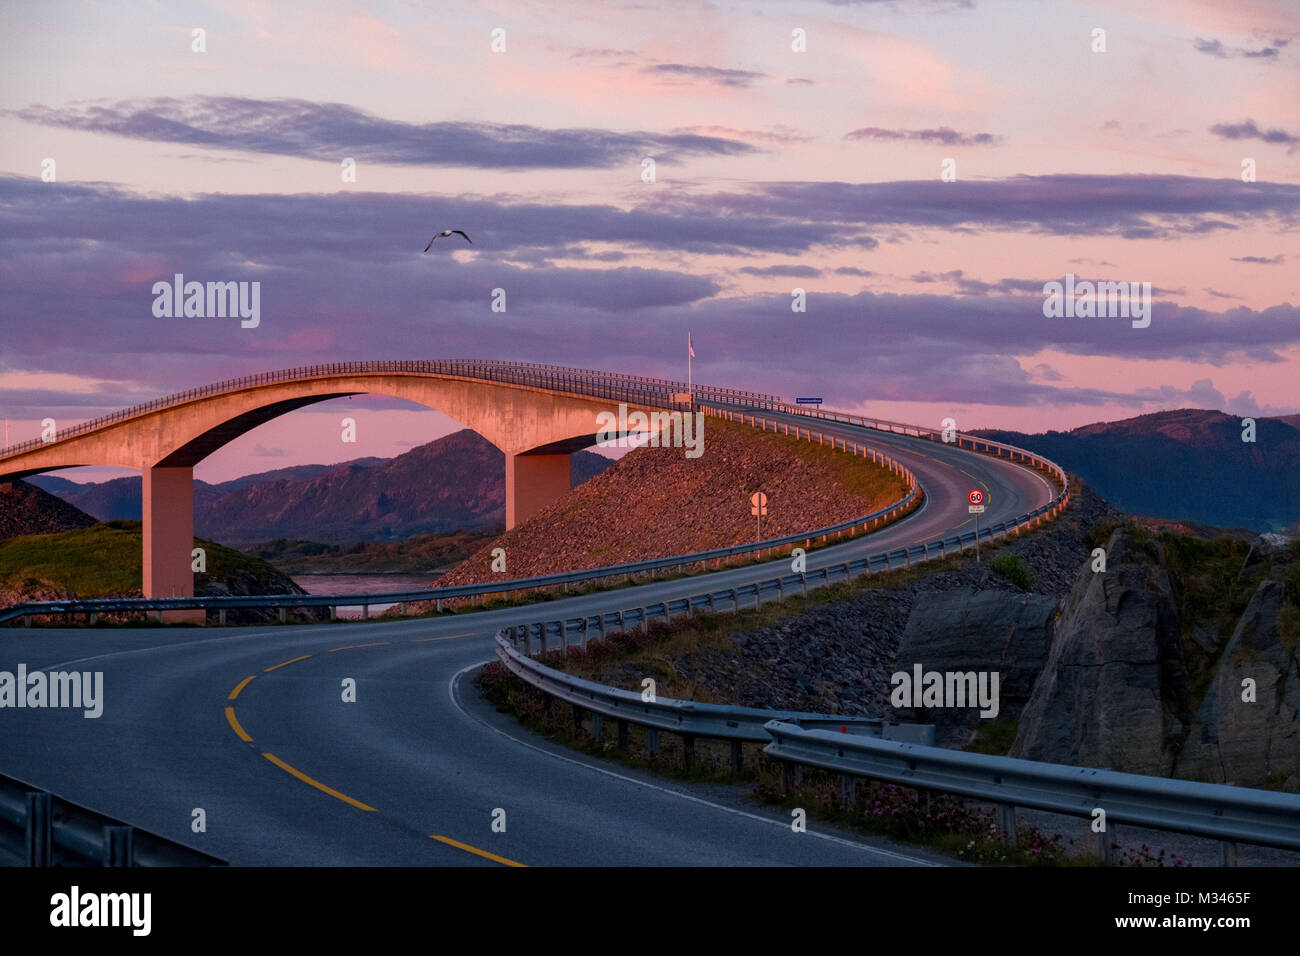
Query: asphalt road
[[413, 770]]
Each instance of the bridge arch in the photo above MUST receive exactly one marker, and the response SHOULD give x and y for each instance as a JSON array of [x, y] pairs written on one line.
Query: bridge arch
[[537, 415]]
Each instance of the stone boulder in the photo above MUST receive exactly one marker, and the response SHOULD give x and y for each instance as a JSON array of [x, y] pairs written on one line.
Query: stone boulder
[[1113, 692], [1251, 743], [976, 630]]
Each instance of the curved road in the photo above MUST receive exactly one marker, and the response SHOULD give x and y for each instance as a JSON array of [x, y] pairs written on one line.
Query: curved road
[[413, 770]]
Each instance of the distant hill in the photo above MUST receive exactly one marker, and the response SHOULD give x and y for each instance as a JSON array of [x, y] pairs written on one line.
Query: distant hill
[[25, 509], [454, 483], [1184, 465]]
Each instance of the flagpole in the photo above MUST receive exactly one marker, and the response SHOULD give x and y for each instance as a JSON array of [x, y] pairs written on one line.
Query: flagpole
[[690, 386]]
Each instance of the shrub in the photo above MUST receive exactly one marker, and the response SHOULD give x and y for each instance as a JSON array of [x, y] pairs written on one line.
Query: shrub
[[1013, 568]]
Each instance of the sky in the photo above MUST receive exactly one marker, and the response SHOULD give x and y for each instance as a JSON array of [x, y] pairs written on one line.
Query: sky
[[913, 171]]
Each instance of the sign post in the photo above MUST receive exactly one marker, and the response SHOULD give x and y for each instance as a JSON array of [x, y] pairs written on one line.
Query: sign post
[[758, 506], [976, 498]]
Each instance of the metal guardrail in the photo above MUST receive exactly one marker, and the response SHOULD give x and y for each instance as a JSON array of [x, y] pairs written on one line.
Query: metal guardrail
[[904, 754], [1233, 814], [223, 603], [691, 719], [44, 830]]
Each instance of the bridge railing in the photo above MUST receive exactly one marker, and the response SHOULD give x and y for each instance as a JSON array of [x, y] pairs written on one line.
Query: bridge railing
[[595, 384], [683, 562]]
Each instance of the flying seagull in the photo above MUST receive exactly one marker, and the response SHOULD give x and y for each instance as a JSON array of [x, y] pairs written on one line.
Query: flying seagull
[[448, 232]]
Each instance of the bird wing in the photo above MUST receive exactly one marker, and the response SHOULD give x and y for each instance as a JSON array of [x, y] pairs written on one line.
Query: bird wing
[[426, 248], [461, 233]]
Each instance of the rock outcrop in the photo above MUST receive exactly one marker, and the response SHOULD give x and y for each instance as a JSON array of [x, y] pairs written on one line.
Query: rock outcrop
[[1114, 690], [988, 631], [1249, 734]]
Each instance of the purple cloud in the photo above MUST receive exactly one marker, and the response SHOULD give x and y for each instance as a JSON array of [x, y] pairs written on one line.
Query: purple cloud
[[330, 131], [1276, 260], [1248, 130], [944, 135], [706, 74], [788, 271]]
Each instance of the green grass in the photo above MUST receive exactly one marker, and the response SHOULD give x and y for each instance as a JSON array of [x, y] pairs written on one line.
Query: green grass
[[104, 559], [1013, 568]]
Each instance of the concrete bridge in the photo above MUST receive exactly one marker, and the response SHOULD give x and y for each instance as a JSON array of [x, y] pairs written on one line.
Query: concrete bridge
[[537, 415]]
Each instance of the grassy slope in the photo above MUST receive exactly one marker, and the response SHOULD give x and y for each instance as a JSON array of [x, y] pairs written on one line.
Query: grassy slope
[[104, 560]]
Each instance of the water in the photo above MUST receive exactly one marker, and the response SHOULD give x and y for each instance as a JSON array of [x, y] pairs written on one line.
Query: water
[[362, 584]]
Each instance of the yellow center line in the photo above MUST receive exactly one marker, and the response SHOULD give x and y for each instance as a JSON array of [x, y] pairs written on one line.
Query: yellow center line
[[352, 646], [240, 686], [316, 783], [292, 660], [234, 725], [475, 850], [425, 640], [963, 524]]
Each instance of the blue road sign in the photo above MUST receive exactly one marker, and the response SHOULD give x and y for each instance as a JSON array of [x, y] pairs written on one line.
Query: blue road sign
[[807, 401]]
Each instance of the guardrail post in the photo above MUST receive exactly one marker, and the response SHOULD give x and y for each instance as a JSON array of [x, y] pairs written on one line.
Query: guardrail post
[[622, 624], [688, 750], [803, 580], [401, 607], [528, 640], [1227, 853], [737, 758], [27, 620], [221, 616], [758, 596], [119, 846], [780, 589], [93, 618], [1007, 823], [597, 725], [600, 627], [564, 638], [38, 836], [645, 621], [284, 614], [622, 735], [365, 612], [577, 719], [652, 740], [584, 630], [439, 603], [1105, 842], [848, 791]]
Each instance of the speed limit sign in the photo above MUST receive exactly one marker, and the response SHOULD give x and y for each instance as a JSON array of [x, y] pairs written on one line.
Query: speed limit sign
[[976, 496]]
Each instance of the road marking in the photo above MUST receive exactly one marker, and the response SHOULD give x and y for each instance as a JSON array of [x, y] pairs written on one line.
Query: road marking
[[451, 692], [350, 647], [234, 725], [963, 524], [240, 686], [475, 850], [316, 783], [425, 640], [293, 660]]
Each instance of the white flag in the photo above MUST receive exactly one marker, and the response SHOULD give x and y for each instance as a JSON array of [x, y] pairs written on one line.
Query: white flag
[[690, 346]]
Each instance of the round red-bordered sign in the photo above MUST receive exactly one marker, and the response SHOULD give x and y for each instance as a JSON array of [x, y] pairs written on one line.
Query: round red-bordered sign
[[976, 496]]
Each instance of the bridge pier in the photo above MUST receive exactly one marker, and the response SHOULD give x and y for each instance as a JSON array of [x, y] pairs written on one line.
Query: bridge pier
[[168, 536], [532, 483]]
